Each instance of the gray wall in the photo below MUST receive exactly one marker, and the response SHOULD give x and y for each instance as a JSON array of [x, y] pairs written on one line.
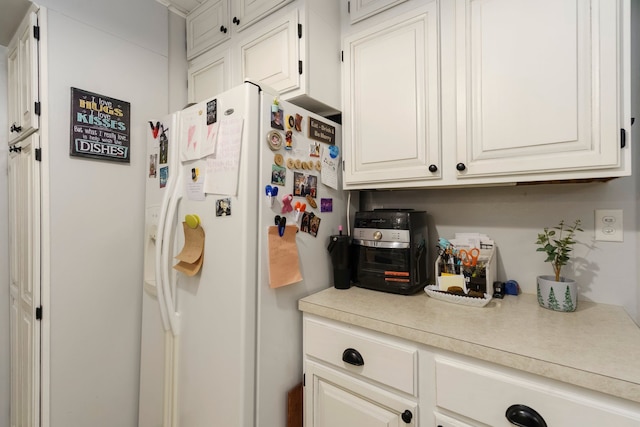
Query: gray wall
[[96, 209]]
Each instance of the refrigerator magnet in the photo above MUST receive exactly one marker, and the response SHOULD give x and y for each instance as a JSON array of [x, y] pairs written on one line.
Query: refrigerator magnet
[[223, 207], [289, 140], [326, 205], [298, 124], [275, 140], [276, 119], [278, 159], [290, 122], [278, 175]]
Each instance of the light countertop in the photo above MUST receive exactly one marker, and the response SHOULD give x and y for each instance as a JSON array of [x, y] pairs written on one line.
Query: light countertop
[[596, 347]]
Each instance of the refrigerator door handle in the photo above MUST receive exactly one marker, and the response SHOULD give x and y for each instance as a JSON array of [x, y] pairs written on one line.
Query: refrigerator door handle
[[170, 304], [158, 256]]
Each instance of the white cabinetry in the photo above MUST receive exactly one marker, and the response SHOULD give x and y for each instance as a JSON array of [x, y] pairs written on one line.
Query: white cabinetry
[[246, 12], [491, 395], [214, 21], [538, 98], [24, 259], [362, 9], [23, 79], [295, 51], [391, 117], [207, 27], [355, 378], [358, 377], [487, 95]]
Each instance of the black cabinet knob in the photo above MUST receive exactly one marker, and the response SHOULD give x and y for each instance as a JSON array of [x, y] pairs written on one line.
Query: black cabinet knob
[[407, 416], [460, 167], [352, 357], [433, 168], [236, 20], [223, 29], [524, 416]]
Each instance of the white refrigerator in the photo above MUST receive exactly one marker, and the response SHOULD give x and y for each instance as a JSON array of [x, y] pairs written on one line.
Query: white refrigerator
[[223, 346]]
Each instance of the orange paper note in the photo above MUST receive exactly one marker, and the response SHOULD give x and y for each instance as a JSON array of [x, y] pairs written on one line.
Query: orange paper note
[[284, 265], [191, 256]]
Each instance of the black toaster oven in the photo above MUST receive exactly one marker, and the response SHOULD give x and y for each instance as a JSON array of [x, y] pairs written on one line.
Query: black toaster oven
[[390, 250]]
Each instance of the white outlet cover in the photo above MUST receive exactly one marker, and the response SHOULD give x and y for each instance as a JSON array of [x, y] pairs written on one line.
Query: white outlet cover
[[608, 225]]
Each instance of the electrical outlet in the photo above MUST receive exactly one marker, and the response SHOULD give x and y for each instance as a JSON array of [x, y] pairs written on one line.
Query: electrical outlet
[[608, 225]]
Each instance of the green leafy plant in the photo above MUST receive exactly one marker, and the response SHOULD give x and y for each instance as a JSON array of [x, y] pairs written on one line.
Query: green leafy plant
[[557, 243]]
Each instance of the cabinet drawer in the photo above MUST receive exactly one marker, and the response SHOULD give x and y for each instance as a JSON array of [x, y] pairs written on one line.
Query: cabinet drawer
[[385, 361], [484, 394]]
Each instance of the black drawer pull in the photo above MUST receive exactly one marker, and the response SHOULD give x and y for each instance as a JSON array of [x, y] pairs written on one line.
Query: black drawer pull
[[523, 416], [352, 357]]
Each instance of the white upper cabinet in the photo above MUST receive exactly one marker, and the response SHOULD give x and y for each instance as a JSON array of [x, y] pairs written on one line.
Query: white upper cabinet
[[271, 56], [362, 9], [391, 113], [22, 78], [538, 86], [482, 92], [214, 21], [246, 12], [207, 27], [295, 51]]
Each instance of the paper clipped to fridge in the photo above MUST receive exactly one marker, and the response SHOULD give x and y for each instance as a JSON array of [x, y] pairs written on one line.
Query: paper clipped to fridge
[[191, 257], [197, 139], [284, 265]]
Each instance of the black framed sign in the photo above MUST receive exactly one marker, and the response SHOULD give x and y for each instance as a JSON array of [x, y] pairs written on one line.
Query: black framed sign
[[99, 126]]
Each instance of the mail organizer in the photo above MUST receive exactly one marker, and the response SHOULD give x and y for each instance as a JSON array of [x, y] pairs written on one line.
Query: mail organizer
[[475, 273]]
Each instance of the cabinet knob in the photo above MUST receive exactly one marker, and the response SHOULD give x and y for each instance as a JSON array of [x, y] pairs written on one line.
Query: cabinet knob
[[236, 20], [352, 357], [15, 128], [223, 29], [433, 168], [407, 416], [524, 416], [460, 167]]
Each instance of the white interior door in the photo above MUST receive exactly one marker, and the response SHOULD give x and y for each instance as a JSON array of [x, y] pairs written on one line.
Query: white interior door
[[24, 217]]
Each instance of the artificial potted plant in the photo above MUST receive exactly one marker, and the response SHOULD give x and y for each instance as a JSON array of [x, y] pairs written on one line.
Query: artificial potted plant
[[556, 292]]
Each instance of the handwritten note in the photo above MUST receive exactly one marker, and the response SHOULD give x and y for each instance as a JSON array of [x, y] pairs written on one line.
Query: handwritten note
[[192, 133], [223, 167], [329, 172]]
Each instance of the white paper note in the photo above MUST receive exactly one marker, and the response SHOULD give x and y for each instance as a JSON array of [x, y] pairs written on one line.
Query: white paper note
[[329, 172], [223, 167]]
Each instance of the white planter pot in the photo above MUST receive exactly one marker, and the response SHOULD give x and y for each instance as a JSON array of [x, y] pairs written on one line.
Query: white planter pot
[[558, 296]]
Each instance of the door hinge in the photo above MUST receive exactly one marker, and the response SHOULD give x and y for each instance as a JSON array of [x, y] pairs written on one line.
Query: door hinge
[[36, 32], [304, 380], [39, 313], [342, 56], [299, 67], [623, 138], [38, 154], [36, 107], [342, 165], [348, 7], [299, 31]]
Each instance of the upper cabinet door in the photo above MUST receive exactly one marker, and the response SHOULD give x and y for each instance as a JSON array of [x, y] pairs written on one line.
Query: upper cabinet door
[[207, 26], [538, 86], [246, 12], [391, 111], [23, 79], [362, 9], [271, 56]]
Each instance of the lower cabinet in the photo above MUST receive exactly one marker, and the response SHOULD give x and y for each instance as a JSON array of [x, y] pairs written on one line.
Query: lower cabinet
[[358, 377], [338, 399], [495, 396], [353, 378]]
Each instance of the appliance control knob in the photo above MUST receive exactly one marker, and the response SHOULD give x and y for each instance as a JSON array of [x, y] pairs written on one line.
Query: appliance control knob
[[377, 235]]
